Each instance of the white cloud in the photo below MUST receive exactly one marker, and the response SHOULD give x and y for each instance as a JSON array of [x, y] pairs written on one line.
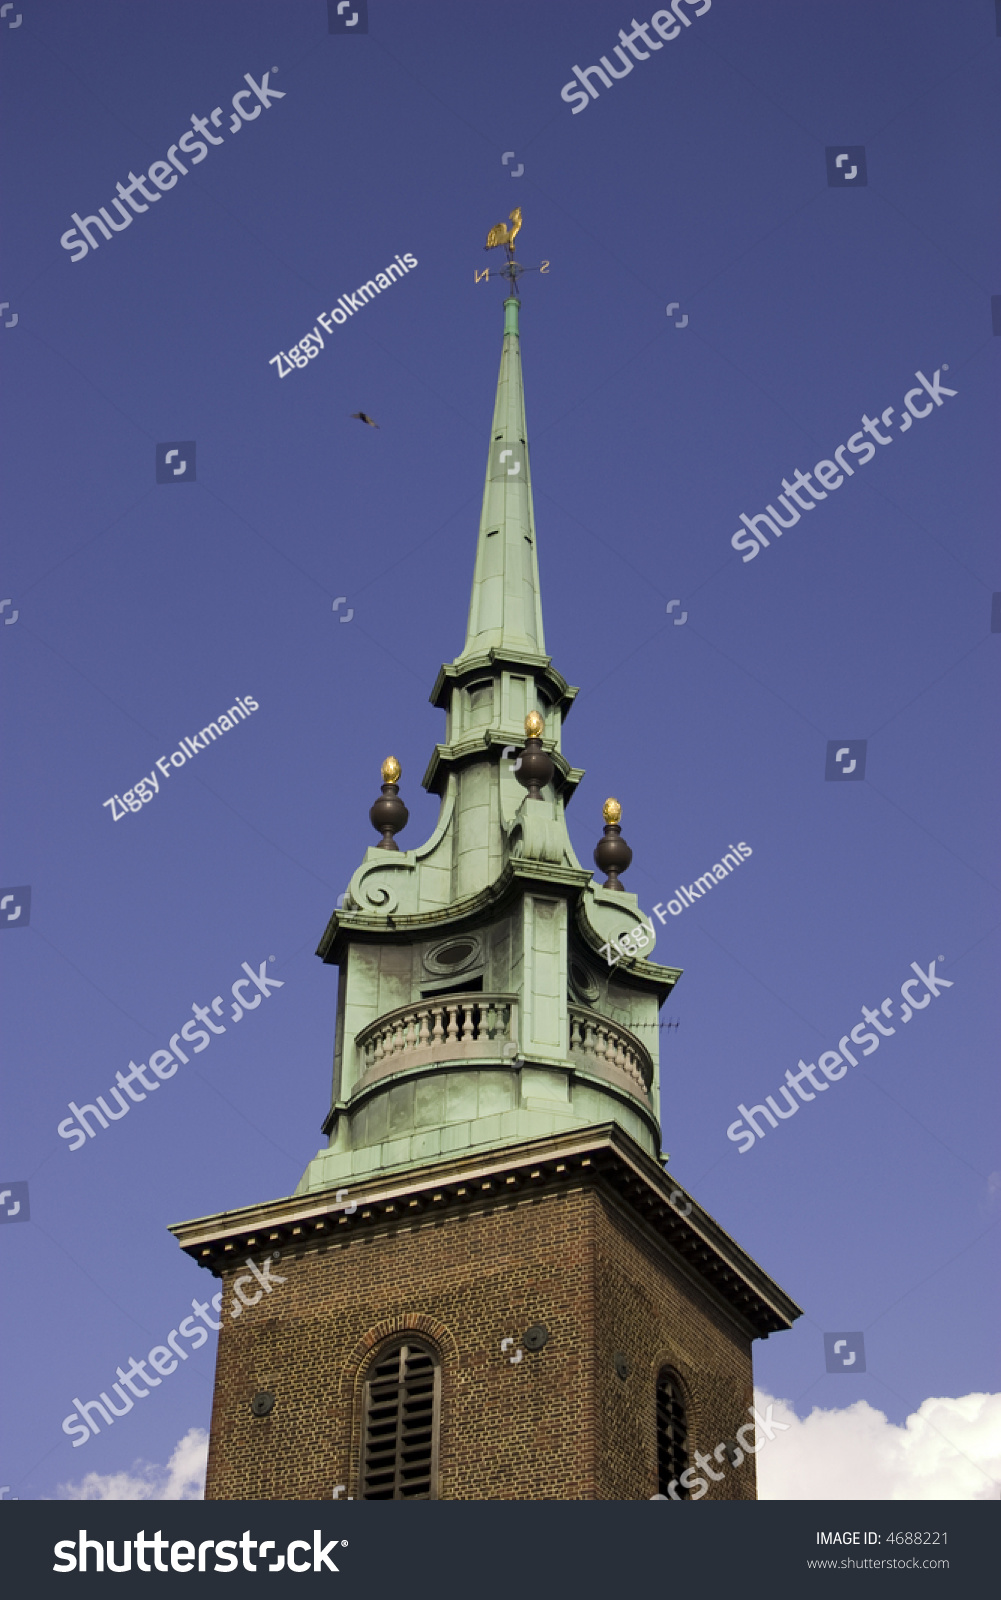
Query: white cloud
[[946, 1450], [183, 1478]]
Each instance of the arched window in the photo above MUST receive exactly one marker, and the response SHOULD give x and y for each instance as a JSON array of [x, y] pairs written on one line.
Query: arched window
[[400, 1439], [672, 1435]]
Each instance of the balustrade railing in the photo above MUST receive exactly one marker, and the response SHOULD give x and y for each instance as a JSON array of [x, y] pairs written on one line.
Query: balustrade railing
[[470, 1026], [608, 1043], [456, 1026]]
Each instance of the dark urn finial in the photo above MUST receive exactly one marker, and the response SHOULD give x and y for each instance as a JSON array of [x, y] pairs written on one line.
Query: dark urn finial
[[389, 815], [611, 853], [535, 769]]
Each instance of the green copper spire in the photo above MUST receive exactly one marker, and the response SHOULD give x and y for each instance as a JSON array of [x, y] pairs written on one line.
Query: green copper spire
[[505, 609], [477, 1002]]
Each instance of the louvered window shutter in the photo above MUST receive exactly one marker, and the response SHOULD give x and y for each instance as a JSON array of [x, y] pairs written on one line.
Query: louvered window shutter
[[400, 1443], [672, 1435]]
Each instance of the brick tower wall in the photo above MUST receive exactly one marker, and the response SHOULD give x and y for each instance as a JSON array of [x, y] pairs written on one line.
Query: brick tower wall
[[558, 1424]]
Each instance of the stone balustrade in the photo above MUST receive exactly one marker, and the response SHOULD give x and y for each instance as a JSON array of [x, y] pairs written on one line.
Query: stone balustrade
[[472, 1027], [611, 1049], [456, 1027]]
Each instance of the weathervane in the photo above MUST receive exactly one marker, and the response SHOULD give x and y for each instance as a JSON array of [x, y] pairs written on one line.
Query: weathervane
[[502, 234]]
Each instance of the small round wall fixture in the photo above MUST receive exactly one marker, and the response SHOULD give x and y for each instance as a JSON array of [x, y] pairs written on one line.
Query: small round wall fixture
[[262, 1403], [536, 1336], [621, 1365], [453, 955]]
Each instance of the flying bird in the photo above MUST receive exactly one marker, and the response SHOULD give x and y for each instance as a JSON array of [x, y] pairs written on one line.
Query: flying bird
[[363, 418]]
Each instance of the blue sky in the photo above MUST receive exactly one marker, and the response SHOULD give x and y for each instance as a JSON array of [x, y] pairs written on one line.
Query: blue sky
[[144, 609]]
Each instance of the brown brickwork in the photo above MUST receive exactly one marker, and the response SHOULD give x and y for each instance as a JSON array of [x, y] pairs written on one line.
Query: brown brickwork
[[650, 1311], [559, 1424]]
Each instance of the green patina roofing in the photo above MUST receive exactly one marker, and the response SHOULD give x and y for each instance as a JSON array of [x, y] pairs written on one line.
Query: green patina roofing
[[505, 608]]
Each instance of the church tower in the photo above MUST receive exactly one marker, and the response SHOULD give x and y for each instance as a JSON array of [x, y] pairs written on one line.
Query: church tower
[[485, 1285]]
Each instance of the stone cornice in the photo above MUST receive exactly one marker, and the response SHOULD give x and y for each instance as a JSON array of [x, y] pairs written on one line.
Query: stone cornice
[[473, 747], [452, 673], [626, 967], [472, 911], [604, 1155]]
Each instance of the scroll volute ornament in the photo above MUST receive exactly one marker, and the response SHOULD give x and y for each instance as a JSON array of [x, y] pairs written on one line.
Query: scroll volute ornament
[[535, 769], [389, 815]]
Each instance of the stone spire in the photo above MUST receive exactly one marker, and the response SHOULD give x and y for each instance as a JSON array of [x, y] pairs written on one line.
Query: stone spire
[[505, 608]]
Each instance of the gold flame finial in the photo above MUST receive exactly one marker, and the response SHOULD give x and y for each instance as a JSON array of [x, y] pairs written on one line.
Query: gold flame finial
[[535, 727], [611, 810], [391, 770]]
